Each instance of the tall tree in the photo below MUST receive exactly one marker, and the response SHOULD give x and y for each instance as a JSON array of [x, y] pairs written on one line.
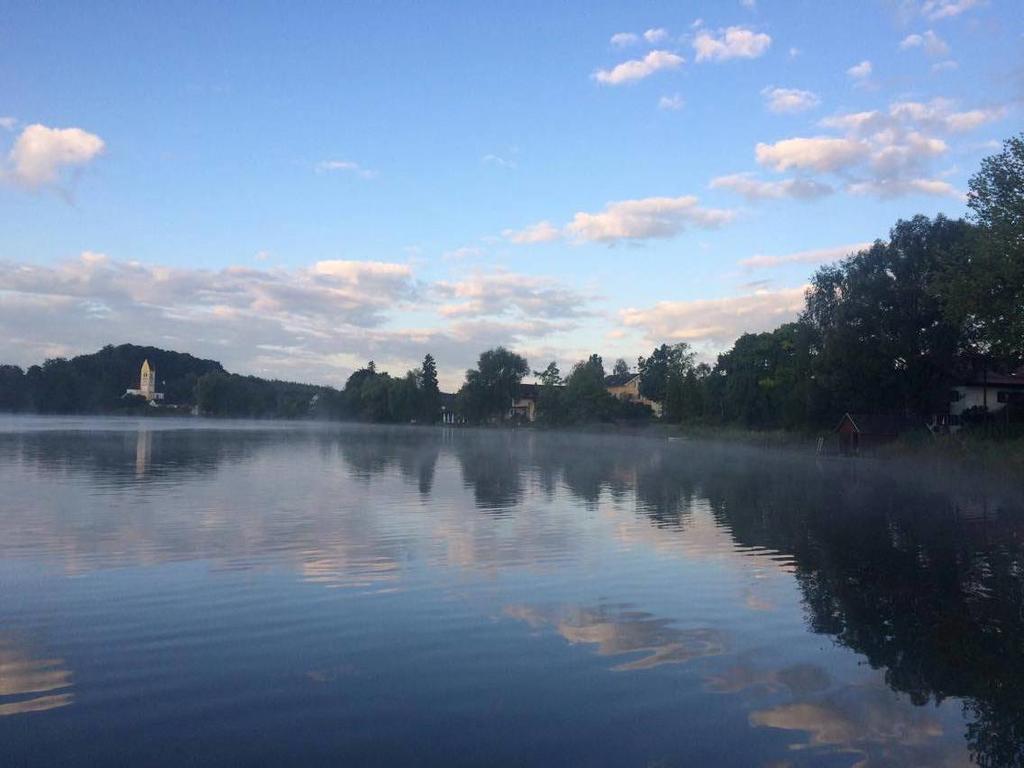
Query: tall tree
[[621, 367], [491, 387], [887, 342], [658, 372], [586, 398], [550, 401], [989, 290], [430, 392]]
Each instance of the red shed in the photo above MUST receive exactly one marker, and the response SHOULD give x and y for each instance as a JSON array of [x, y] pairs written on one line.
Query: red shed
[[863, 431]]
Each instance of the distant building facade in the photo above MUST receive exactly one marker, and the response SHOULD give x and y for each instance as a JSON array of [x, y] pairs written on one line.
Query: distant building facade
[[449, 410], [524, 404], [147, 385], [626, 386], [982, 391]]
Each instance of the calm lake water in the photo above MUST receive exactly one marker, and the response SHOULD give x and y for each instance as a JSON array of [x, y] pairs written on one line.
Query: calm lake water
[[178, 592]]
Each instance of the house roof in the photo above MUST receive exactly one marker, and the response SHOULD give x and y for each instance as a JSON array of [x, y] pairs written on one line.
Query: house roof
[[878, 423], [992, 379], [528, 392], [619, 379]]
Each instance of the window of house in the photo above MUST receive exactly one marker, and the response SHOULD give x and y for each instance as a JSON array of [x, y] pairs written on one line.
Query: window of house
[[954, 396]]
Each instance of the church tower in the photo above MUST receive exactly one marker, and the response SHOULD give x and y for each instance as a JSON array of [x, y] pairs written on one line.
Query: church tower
[[147, 381]]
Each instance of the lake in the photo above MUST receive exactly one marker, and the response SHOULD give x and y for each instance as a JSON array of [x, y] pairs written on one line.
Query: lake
[[209, 593]]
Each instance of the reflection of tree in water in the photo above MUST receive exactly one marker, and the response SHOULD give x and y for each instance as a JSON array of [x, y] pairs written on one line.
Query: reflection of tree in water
[[496, 466], [890, 564], [373, 451], [885, 562], [889, 569], [491, 466], [126, 456]]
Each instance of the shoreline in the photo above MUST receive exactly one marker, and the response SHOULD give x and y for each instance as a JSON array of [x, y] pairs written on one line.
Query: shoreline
[[963, 449]]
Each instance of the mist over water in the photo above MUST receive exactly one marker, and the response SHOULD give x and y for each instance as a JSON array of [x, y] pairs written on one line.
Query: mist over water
[[246, 593]]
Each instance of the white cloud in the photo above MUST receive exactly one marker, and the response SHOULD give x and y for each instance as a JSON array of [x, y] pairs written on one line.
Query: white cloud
[[947, 9], [8, 123], [624, 39], [945, 66], [814, 256], [750, 4], [313, 323], [648, 218], [655, 36], [819, 153], [41, 155], [644, 219], [897, 154], [860, 72], [671, 103], [897, 146], [638, 69], [732, 43], [332, 166], [788, 100], [754, 189], [503, 293], [932, 44], [497, 160], [715, 323], [940, 115], [465, 252], [856, 123], [541, 232], [897, 187]]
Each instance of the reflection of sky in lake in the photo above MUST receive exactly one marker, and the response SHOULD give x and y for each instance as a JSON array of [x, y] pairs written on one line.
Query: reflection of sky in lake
[[376, 596]]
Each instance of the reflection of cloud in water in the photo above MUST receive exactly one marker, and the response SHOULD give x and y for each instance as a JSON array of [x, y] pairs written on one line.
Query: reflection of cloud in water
[[798, 679], [869, 722], [616, 631], [336, 567], [31, 685]]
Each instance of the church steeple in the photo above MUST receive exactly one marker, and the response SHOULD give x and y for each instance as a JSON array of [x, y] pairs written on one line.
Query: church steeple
[[147, 380]]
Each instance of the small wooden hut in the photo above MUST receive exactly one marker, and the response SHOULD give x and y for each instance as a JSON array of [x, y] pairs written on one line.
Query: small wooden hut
[[860, 432]]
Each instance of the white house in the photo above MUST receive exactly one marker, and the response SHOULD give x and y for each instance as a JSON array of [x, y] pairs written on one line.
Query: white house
[[984, 389]]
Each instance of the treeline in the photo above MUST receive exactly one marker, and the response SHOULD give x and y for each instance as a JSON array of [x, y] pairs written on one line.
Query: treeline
[[887, 330], [95, 383]]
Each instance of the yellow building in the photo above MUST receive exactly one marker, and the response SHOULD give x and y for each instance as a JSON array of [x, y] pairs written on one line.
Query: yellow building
[[147, 384], [626, 386]]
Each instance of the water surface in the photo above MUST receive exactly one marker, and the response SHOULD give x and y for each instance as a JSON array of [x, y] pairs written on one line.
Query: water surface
[[227, 593]]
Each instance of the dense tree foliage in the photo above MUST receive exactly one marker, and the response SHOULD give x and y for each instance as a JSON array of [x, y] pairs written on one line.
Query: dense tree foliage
[[371, 395], [987, 292], [231, 395], [491, 387], [666, 377], [883, 331], [96, 383]]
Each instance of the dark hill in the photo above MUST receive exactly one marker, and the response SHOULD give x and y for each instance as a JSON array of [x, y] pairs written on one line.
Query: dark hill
[[95, 383]]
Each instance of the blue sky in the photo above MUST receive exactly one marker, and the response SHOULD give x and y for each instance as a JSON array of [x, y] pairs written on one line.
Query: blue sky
[[295, 188]]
